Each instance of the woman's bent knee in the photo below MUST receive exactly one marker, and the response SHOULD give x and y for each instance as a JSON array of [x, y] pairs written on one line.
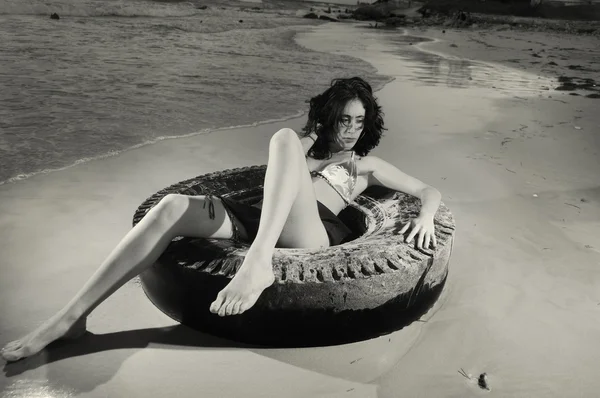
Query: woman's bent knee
[[193, 216], [171, 208], [285, 135], [286, 138]]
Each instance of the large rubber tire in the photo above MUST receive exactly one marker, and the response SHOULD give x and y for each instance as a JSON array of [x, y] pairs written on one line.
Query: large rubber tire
[[370, 286]]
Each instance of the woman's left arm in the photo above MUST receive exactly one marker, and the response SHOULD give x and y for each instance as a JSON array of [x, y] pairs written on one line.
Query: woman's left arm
[[384, 174]]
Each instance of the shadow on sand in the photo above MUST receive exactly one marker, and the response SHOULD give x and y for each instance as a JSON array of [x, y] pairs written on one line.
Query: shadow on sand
[[66, 364]]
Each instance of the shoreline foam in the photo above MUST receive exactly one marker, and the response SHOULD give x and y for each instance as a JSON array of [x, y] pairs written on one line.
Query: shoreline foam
[[110, 154]]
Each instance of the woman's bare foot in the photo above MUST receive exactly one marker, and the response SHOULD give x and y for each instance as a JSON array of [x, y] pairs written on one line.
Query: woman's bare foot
[[253, 277], [57, 327]]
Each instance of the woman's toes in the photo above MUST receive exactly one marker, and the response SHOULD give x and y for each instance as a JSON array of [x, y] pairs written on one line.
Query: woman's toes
[[217, 304], [236, 308], [223, 307], [13, 355], [13, 345], [243, 307], [229, 308]]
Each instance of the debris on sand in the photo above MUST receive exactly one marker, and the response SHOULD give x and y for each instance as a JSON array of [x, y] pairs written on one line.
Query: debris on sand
[[483, 382], [570, 83]]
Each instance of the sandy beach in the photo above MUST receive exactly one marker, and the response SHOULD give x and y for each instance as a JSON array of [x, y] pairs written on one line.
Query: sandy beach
[[516, 161]]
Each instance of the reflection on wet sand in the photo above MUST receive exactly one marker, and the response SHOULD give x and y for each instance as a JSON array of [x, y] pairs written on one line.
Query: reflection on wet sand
[[460, 73], [453, 73], [437, 69], [384, 47]]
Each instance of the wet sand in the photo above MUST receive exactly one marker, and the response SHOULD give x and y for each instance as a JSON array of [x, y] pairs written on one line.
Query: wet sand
[[566, 57], [519, 172]]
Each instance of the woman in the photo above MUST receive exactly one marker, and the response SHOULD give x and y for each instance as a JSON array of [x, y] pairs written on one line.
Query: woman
[[308, 181]]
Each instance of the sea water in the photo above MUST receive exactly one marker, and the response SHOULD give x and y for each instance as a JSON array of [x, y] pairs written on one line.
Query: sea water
[[111, 75]]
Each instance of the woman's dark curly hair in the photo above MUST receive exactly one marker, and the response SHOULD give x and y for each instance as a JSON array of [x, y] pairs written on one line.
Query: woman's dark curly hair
[[326, 112]]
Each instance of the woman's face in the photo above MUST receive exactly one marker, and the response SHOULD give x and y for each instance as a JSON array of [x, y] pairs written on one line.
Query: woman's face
[[349, 128]]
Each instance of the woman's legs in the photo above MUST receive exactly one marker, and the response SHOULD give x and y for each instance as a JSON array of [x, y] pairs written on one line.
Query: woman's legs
[[174, 215], [289, 217]]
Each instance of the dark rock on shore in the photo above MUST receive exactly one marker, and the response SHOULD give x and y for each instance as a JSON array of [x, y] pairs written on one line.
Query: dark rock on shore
[[371, 13], [54, 16], [507, 22], [520, 8], [449, 14], [329, 13], [396, 21], [572, 83], [313, 15]]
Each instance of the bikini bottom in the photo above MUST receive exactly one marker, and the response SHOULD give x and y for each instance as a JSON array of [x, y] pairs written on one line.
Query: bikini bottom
[[249, 217]]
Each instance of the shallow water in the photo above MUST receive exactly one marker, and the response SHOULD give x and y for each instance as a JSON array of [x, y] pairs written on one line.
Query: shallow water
[[112, 75]]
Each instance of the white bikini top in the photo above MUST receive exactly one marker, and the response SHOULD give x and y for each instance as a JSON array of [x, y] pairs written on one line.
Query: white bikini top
[[341, 177]]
